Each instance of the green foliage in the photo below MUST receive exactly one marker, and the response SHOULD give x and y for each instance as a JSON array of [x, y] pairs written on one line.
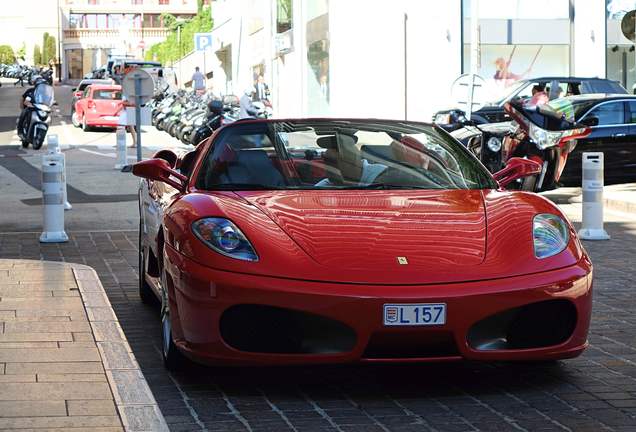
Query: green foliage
[[172, 49], [6, 54], [37, 55], [21, 52], [49, 48]]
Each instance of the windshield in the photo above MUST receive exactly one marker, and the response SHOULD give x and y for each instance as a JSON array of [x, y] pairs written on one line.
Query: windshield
[[509, 93], [43, 94], [570, 109], [324, 154], [107, 94]]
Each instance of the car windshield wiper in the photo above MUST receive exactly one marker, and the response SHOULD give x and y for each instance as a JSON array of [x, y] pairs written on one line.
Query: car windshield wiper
[[386, 186], [243, 186]]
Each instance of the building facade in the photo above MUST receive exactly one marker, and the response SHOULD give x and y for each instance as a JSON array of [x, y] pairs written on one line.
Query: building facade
[[94, 29], [399, 59]]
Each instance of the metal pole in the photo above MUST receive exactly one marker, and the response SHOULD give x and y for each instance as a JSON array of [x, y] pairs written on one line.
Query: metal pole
[[406, 72], [474, 37], [138, 115], [180, 57]]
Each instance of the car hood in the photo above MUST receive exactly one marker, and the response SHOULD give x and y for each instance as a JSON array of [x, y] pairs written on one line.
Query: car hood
[[357, 236], [374, 230]]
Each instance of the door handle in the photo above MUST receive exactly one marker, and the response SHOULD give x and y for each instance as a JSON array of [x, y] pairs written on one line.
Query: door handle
[[619, 135]]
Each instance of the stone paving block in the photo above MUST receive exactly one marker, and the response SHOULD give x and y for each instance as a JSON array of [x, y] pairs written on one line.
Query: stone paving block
[[95, 299], [105, 407], [74, 315], [47, 327], [40, 319], [78, 429], [15, 355], [7, 314], [71, 377], [28, 345], [17, 378], [107, 332], [129, 387], [116, 355], [62, 303], [59, 422], [143, 418], [89, 286], [83, 337], [101, 314], [35, 337], [65, 293], [54, 368], [54, 391], [80, 344], [32, 408]]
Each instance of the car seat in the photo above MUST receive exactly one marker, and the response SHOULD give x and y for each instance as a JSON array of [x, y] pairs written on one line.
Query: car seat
[[252, 167]]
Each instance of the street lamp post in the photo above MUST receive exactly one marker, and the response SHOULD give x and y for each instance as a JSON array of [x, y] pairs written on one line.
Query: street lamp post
[[180, 22]]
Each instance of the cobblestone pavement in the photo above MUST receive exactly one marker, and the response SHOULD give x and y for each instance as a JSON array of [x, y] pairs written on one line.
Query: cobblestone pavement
[[595, 392]]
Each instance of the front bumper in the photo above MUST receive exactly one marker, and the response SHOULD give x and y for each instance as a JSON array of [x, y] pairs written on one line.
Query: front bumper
[[199, 297]]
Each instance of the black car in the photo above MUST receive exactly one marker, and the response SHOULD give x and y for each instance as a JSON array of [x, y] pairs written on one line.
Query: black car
[[611, 119], [556, 87]]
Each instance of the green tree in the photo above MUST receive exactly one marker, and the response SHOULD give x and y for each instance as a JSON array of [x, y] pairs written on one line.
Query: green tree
[[44, 46], [6, 54], [21, 52], [51, 50], [172, 49], [37, 55]]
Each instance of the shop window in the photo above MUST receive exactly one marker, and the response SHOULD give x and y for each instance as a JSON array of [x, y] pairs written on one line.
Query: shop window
[[284, 15], [620, 51]]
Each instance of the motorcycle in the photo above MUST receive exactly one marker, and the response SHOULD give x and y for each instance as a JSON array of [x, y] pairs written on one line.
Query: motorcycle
[[545, 135], [38, 117]]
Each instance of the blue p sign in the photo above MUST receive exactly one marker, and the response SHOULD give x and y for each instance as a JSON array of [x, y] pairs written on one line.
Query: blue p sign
[[202, 41]]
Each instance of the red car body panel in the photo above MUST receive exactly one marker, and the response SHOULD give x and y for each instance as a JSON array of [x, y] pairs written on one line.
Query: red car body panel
[[334, 254], [99, 112]]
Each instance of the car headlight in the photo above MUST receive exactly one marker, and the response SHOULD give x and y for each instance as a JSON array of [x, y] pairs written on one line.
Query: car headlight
[[551, 235], [543, 138], [224, 237], [494, 144]]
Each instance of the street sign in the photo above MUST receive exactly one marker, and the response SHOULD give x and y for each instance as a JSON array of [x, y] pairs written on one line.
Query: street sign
[[147, 87], [142, 44], [202, 41], [469, 93]]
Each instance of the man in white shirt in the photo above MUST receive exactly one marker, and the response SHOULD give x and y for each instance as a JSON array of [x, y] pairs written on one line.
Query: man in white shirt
[[262, 90]]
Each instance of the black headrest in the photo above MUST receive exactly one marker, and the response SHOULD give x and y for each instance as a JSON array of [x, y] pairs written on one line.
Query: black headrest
[[327, 142]]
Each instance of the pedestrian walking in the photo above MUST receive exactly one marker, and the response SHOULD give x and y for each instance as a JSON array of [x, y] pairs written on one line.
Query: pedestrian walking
[[123, 121], [262, 89], [198, 81]]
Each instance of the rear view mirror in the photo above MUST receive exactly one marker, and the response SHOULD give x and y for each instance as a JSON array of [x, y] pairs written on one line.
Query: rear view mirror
[[515, 169], [590, 121], [160, 170]]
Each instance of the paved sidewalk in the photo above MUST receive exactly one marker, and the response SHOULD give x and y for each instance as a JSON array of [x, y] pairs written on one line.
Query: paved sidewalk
[[64, 362], [618, 198]]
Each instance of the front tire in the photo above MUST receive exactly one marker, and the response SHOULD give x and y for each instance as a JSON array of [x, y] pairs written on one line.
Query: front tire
[[25, 143], [146, 293], [172, 357]]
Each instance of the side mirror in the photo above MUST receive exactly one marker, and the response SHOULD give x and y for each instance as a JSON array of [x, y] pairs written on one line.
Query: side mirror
[[590, 121], [74, 89], [515, 169], [159, 170]]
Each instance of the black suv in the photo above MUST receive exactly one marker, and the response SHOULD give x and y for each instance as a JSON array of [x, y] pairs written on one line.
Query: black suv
[[556, 87]]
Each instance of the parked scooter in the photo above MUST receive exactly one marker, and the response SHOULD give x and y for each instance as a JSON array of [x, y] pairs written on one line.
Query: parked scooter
[[38, 115], [544, 135]]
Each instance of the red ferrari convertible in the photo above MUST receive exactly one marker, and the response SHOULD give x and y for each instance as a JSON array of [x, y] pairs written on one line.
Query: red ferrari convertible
[[334, 241]]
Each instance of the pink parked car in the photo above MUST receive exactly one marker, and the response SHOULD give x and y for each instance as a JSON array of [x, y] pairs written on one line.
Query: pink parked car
[[99, 107]]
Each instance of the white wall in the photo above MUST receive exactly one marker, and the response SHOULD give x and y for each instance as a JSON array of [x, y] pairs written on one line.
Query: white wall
[[589, 41]]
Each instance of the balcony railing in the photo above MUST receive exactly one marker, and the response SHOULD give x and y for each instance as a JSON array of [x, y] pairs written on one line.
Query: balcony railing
[[106, 33]]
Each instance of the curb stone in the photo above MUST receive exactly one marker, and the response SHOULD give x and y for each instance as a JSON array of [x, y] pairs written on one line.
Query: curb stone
[[137, 407]]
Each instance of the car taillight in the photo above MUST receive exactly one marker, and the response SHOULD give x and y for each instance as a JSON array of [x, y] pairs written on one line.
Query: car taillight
[[91, 105]]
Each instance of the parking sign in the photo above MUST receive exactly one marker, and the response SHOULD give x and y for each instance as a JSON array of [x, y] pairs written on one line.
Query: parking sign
[[202, 41]]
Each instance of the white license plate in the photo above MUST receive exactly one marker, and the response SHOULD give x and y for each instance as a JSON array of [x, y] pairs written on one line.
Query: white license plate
[[442, 119], [110, 118], [427, 314]]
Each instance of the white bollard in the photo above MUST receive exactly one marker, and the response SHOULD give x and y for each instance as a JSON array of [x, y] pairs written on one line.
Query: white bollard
[[53, 146], [593, 182], [122, 154], [53, 198]]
